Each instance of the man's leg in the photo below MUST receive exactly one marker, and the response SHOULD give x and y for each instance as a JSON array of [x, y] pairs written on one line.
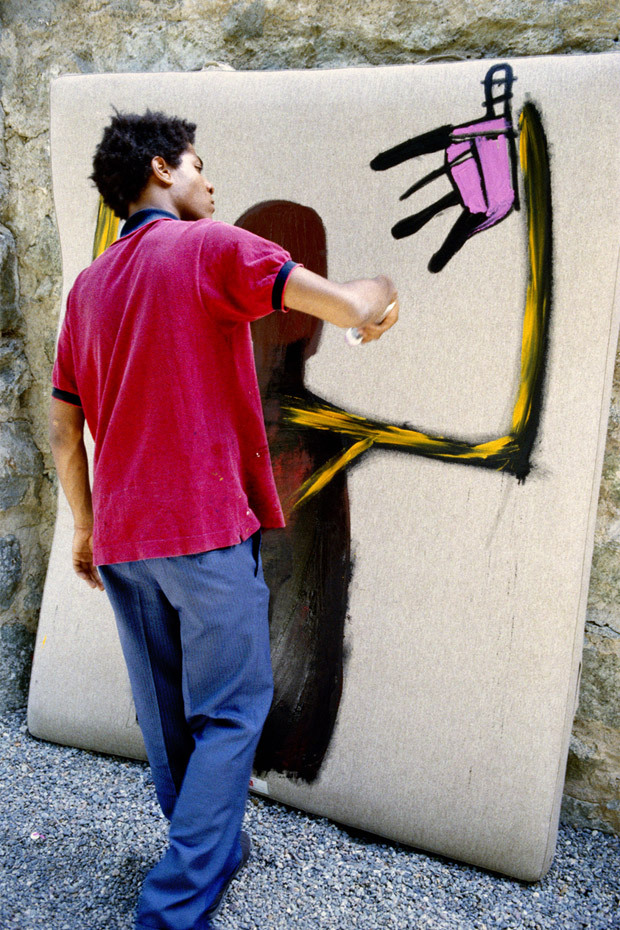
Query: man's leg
[[150, 636], [221, 600]]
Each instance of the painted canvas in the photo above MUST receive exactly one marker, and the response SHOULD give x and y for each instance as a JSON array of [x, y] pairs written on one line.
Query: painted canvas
[[428, 592]]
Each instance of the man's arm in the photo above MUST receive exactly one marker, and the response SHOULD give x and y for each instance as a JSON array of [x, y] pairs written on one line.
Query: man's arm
[[66, 433], [361, 304]]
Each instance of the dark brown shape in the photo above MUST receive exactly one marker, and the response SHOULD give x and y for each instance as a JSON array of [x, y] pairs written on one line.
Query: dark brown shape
[[308, 565]]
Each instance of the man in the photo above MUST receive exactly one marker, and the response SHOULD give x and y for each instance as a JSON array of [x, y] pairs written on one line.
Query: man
[[155, 355]]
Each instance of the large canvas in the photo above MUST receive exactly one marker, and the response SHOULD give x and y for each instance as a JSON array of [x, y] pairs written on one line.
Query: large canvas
[[428, 594]]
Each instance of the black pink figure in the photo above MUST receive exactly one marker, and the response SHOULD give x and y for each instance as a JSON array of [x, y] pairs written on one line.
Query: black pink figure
[[480, 161]]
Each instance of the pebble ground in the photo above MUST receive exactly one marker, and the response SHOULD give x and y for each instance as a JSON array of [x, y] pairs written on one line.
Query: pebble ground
[[79, 831]]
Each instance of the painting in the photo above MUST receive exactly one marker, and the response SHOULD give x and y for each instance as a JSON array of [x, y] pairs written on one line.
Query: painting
[[428, 593]]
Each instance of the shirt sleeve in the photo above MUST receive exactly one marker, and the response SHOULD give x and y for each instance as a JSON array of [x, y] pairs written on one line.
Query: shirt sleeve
[[255, 272], [63, 374]]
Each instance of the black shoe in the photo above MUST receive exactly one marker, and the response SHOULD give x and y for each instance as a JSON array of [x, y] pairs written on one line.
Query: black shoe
[[244, 842]]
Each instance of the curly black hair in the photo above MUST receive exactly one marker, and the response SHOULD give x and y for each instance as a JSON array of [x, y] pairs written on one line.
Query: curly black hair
[[122, 162]]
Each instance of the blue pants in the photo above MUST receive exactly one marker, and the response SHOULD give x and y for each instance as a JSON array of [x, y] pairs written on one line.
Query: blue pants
[[195, 637]]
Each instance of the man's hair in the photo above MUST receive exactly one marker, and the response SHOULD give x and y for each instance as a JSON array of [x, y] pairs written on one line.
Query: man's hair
[[122, 162]]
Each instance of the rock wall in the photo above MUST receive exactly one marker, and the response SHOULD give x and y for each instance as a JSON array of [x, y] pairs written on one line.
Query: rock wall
[[44, 38]]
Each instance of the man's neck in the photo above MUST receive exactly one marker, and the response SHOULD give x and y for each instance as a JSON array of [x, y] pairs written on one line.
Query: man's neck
[[153, 200]]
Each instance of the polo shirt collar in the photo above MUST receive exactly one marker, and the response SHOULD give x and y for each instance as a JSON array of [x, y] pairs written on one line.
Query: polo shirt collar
[[142, 217]]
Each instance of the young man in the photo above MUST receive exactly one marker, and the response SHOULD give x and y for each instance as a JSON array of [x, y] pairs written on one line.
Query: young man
[[155, 355]]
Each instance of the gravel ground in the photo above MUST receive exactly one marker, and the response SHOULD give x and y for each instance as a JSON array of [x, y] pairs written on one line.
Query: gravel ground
[[74, 852]]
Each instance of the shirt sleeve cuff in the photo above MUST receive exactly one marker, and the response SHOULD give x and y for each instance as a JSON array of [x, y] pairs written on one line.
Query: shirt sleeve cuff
[[277, 294], [66, 396]]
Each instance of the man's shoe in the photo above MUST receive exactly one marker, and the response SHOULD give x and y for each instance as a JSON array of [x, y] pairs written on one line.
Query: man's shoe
[[244, 842]]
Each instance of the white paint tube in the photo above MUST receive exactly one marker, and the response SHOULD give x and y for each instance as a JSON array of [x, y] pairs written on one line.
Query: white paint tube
[[353, 337]]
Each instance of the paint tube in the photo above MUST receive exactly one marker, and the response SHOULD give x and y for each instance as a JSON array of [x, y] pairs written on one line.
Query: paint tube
[[353, 336]]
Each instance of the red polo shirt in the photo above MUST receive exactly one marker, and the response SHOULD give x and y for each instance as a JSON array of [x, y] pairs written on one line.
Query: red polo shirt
[[156, 347]]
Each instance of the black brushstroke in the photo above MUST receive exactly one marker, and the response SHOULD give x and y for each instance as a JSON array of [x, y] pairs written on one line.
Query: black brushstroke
[[413, 224], [539, 205], [457, 237], [434, 141], [308, 565]]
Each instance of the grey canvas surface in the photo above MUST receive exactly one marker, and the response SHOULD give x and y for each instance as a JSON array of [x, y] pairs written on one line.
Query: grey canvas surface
[[467, 597]]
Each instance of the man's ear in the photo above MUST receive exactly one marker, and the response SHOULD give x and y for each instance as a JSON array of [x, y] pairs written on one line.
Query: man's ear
[[161, 170]]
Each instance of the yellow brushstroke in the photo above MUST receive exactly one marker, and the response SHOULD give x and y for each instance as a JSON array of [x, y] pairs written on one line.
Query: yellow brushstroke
[[106, 231], [366, 432], [339, 421], [43, 643], [536, 302], [324, 475]]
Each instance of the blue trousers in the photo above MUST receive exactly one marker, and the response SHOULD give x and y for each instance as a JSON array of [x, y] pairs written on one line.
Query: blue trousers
[[195, 637]]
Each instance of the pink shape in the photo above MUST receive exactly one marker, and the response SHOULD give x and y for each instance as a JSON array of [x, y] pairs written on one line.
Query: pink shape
[[485, 183]]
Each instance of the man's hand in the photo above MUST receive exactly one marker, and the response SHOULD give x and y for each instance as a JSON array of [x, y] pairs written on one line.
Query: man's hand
[[373, 331], [83, 558]]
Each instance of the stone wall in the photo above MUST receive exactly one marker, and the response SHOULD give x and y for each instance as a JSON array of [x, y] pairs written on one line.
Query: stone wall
[[44, 38]]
